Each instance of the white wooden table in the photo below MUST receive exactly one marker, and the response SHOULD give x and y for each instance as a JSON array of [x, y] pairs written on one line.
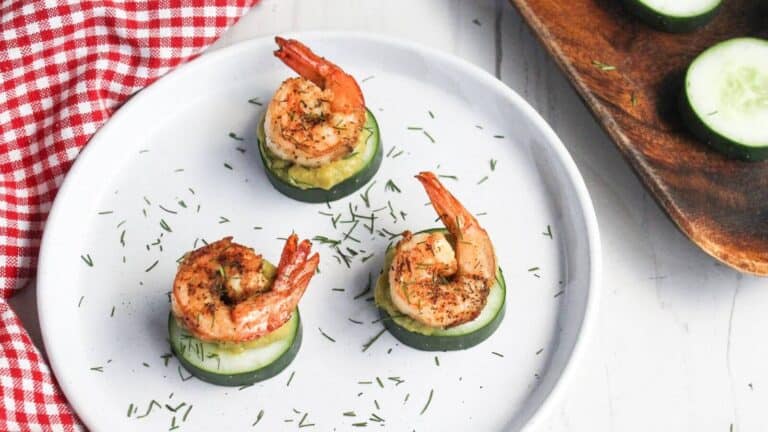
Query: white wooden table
[[680, 342]]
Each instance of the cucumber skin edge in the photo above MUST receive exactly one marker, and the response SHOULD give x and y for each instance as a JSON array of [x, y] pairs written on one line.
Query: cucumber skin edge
[[341, 190], [669, 24], [713, 139], [446, 343], [245, 378]]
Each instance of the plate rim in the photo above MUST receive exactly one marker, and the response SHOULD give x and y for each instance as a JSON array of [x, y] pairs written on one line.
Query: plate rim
[[208, 58]]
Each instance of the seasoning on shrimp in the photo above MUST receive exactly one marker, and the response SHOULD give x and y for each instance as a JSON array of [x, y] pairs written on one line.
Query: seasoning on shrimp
[[438, 284], [221, 294], [318, 117]]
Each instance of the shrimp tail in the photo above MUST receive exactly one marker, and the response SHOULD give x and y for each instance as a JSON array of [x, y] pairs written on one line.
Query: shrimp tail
[[455, 216], [302, 60], [295, 269], [297, 56]]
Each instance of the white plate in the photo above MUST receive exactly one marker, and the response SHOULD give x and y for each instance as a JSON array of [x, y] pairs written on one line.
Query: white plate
[[183, 122]]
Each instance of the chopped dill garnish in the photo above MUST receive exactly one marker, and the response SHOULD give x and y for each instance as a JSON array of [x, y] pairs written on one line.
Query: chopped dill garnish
[[290, 379], [540, 351], [98, 368], [235, 137], [366, 258], [258, 417], [398, 154], [354, 321], [365, 382], [428, 136], [391, 186], [167, 210], [364, 195], [106, 212], [391, 149], [146, 200], [407, 396], [151, 267], [326, 335], [121, 223], [368, 78], [182, 203], [498, 136], [431, 114], [378, 380], [397, 380], [373, 340], [361, 424], [81, 301], [497, 354], [429, 400], [532, 269], [349, 414], [222, 220], [477, 22], [177, 170], [414, 128], [130, 409], [186, 413], [164, 225], [122, 238], [437, 361], [603, 66], [482, 180], [367, 288], [112, 314], [228, 166], [559, 293], [452, 177], [152, 404], [87, 260], [549, 232], [493, 163], [326, 241], [255, 101], [166, 357]]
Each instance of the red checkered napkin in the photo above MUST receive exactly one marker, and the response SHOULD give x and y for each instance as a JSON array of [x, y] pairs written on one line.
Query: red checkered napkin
[[65, 67]]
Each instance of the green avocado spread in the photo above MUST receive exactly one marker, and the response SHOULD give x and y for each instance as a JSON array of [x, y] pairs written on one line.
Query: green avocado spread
[[329, 175], [383, 299]]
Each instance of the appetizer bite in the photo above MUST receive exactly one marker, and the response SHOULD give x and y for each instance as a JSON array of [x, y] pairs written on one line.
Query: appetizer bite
[[317, 141], [234, 316], [441, 289]]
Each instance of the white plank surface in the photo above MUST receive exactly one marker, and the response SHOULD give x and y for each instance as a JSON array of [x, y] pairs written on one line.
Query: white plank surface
[[680, 341]]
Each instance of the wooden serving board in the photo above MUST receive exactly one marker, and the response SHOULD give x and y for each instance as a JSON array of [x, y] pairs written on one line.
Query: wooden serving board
[[719, 203]]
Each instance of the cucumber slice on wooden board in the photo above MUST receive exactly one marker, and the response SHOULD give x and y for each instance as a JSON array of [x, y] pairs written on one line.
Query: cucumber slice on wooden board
[[725, 98], [237, 365], [419, 336], [280, 178], [674, 16]]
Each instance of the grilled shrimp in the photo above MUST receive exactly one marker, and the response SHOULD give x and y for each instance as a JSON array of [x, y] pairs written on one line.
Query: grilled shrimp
[[221, 295], [317, 118], [438, 284]]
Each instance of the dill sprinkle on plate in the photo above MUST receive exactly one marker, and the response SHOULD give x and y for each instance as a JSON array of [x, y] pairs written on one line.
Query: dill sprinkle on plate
[[428, 136], [255, 101], [497, 354], [326, 335], [290, 379], [258, 417], [151, 267], [87, 260], [391, 186], [429, 400], [235, 137], [373, 340]]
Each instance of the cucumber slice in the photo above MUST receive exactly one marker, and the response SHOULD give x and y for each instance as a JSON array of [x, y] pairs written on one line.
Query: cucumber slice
[[674, 16], [371, 154], [725, 99], [237, 365], [417, 335]]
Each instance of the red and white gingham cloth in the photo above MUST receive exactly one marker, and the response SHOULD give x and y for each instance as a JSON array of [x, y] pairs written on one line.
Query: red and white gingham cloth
[[65, 67]]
